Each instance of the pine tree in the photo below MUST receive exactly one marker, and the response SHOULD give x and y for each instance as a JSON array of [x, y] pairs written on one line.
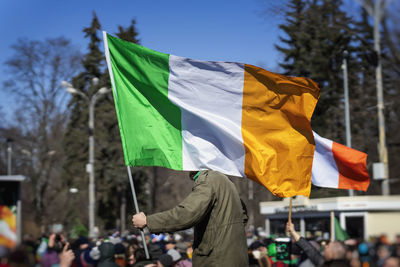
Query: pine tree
[[111, 182], [129, 33], [297, 40], [75, 142], [316, 35], [363, 96], [391, 79]]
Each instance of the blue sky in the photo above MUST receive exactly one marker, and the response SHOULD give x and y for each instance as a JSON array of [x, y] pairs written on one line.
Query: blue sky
[[207, 30], [224, 30]]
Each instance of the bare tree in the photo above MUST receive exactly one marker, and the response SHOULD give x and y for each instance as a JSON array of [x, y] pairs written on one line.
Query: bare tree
[[36, 70]]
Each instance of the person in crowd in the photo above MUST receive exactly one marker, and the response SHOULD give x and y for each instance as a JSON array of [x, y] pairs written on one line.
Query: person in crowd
[[140, 258], [82, 251], [334, 253], [54, 246], [218, 215], [392, 262], [120, 254], [383, 254], [66, 257], [258, 254], [182, 248], [176, 256], [165, 260], [16, 258], [130, 254], [396, 247], [107, 253]]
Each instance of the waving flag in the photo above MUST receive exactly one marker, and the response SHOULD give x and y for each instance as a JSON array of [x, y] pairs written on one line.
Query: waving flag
[[339, 166], [235, 118], [8, 228]]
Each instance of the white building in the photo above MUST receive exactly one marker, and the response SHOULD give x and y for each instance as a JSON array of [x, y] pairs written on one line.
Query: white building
[[360, 216]]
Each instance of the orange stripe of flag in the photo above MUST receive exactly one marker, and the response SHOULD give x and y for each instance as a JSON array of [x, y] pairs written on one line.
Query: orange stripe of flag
[[352, 167], [276, 130]]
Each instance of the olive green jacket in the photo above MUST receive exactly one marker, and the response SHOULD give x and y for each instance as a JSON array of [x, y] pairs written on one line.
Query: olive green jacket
[[218, 215]]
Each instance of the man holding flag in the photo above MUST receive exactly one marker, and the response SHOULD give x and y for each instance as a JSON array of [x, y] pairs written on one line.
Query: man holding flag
[[233, 118], [218, 216]]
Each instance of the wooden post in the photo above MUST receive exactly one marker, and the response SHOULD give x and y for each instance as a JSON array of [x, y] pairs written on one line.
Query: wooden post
[[332, 226], [290, 210]]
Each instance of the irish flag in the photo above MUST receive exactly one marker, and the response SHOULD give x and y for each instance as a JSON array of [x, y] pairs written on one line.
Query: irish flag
[[235, 118], [339, 166]]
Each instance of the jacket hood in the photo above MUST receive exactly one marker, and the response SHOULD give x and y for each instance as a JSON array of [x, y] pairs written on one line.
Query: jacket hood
[[106, 251]]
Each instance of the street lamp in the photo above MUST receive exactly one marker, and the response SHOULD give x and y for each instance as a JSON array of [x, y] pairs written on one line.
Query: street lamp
[[90, 166], [346, 105]]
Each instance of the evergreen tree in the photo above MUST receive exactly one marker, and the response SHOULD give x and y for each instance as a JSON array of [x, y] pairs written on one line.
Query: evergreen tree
[[391, 79], [363, 96], [129, 33], [75, 142], [317, 32], [297, 40], [111, 182]]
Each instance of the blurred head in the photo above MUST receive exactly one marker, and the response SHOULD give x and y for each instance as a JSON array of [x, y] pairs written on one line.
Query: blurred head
[[130, 253], [83, 242], [392, 262], [169, 245], [139, 255], [107, 251], [335, 250], [164, 260], [383, 252]]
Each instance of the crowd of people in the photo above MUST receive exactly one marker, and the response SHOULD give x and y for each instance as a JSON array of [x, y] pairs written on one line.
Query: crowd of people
[[113, 250], [165, 250], [317, 251]]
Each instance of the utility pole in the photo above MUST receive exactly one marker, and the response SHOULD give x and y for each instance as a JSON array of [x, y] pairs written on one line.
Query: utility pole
[[90, 166], [346, 105], [376, 10], [9, 156]]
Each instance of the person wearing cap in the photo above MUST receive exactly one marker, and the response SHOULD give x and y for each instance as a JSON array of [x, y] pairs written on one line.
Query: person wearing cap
[[165, 260], [176, 256], [218, 216], [107, 252]]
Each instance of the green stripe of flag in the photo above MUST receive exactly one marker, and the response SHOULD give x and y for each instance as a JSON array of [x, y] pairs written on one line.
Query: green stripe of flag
[[150, 124]]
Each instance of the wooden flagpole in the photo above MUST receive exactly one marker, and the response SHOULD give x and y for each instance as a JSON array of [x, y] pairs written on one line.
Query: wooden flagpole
[[332, 226], [290, 210], [137, 209]]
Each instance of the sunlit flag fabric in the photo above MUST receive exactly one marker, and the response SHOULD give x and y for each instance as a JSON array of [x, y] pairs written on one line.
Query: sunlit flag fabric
[[235, 118], [339, 166], [8, 229], [340, 233]]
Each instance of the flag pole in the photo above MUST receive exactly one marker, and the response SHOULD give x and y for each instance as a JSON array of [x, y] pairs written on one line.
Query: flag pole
[[137, 209], [332, 226], [290, 209]]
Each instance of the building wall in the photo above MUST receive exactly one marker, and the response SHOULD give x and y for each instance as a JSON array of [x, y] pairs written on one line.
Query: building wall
[[383, 223]]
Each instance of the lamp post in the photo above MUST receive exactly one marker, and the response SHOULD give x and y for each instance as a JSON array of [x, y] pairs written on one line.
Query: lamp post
[[376, 9], [90, 166], [9, 156], [346, 105]]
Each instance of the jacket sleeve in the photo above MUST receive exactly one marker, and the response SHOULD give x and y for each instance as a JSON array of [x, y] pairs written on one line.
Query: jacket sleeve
[[187, 214], [312, 253]]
